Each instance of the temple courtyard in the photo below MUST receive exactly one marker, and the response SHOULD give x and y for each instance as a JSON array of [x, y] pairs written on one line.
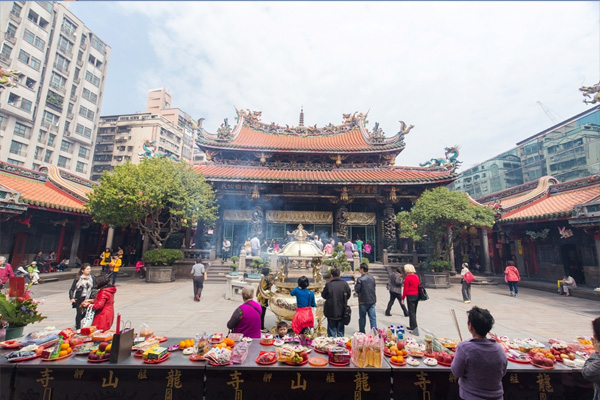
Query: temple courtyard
[[169, 309]]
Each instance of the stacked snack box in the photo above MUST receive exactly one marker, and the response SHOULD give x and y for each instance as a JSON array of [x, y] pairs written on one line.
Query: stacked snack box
[[155, 353]]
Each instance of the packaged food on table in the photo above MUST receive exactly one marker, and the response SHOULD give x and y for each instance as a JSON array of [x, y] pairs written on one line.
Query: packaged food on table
[[67, 333], [88, 331], [145, 345], [367, 350], [105, 336], [155, 353], [239, 353]]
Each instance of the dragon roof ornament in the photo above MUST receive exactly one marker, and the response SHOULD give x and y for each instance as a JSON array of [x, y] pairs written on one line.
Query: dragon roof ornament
[[450, 163]]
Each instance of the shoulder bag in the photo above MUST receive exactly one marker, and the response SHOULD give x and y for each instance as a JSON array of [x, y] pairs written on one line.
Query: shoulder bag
[[423, 293], [88, 320], [469, 277]]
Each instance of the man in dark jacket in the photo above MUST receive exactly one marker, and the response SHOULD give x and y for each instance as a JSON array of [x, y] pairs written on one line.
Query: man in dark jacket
[[365, 288], [395, 288], [336, 294]]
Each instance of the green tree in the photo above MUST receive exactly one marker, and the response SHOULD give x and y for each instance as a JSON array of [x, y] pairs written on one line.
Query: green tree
[[441, 216], [158, 197]]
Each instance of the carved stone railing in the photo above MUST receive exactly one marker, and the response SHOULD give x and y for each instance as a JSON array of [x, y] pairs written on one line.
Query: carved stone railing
[[403, 258], [192, 254]]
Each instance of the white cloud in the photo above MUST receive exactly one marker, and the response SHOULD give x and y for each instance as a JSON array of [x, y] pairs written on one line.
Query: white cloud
[[467, 73]]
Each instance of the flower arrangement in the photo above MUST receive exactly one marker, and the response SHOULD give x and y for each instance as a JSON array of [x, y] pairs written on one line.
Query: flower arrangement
[[19, 311]]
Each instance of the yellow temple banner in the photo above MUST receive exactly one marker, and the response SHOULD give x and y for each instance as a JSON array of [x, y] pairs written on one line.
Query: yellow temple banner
[[237, 215], [300, 217], [361, 218]]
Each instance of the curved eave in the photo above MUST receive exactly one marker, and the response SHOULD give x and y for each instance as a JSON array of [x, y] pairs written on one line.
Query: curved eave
[[58, 207], [273, 149], [541, 217]]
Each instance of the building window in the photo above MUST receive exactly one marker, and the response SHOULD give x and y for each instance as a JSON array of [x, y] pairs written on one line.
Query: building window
[[51, 139], [93, 79], [55, 99], [11, 31], [15, 162], [84, 152], [57, 81], [6, 50], [28, 59], [17, 148], [61, 63], [20, 129], [88, 95], [31, 38], [26, 105], [48, 156], [49, 119], [16, 9], [65, 146], [64, 45], [62, 161], [80, 167], [87, 113], [38, 152], [97, 43], [68, 27]]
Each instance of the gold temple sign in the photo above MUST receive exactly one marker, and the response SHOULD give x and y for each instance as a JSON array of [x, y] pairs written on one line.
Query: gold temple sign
[[361, 218], [237, 215], [234, 186], [300, 217], [362, 189], [300, 188]]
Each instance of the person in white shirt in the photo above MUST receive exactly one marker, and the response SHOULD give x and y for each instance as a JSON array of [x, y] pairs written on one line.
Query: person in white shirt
[[567, 283], [255, 246], [225, 249], [318, 243]]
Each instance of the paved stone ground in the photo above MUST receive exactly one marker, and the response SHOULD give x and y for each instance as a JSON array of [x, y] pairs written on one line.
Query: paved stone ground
[[170, 310]]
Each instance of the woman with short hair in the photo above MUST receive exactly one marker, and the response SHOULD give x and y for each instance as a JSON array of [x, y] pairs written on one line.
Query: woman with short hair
[[246, 318], [479, 363], [411, 294]]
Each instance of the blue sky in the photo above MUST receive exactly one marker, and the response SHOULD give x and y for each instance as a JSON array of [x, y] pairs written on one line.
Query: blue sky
[[466, 73]]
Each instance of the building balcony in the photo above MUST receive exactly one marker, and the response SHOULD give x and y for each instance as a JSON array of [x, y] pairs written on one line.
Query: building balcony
[[83, 45], [14, 17], [10, 37], [74, 136], [5, 60], [61, 68], [16, 109], [59, 89], [80, 63], [70, 116], [66, 52], [73, 97], [77, 80], [52, 127], [70, 35]]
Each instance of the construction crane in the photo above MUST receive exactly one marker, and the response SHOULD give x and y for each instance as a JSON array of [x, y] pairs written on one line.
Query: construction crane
[[548, 112]]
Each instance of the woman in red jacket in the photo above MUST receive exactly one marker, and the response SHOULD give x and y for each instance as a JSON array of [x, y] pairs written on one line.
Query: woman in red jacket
[[411, 293], [103, 304], [512, 278]]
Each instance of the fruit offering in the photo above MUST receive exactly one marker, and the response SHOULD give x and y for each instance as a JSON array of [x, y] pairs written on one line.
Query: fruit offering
[[102, 353], [541, 360], [444, 358], [397, 359], [184, 344], [267, 357], [292, 354]]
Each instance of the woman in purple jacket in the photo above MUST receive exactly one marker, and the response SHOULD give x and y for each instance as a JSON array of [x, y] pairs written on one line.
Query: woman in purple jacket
[[480, 363], [246, 318]]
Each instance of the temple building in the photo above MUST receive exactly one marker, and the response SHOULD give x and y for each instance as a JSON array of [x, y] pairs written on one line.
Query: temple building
[[338, 180]]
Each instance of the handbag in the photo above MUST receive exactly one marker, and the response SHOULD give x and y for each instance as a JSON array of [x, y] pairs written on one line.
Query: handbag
[[88, 320], [121, 345], [469, 277], [423, 293], [347, 315]]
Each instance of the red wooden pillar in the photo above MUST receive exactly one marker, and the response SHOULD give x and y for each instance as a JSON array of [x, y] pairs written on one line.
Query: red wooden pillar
[[533, 256], [60, 242]]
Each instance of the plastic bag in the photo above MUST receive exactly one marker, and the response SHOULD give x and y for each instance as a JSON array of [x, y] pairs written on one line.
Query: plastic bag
[[145, 330]]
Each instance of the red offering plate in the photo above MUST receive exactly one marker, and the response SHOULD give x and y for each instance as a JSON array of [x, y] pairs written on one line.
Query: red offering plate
[[11, 344], [266, 363], [397, 364], [267, 342], [321, 351], [56, 359], [98, 361], [163, 358], [161, 339], [214, 364], [519, 360], [14, 360], [215, 341], [138, 353], [386, 352], [317, 361], [339, 364], [300, 363], [429, 355], [444, 364], [196, 357]]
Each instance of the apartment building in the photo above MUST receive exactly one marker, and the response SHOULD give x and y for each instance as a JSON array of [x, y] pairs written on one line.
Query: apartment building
[[568, 150], [161, 130], [51, 117]]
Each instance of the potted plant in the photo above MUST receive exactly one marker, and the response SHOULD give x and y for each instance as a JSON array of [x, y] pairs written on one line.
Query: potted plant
[[437, 274], [160, 264], [234, 266], [18, 312], [257, 265], [340, 261]]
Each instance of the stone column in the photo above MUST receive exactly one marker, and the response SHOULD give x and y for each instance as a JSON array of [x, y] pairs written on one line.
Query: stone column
[[109, 237], [487, 268], [389, 229], [341, 224], [75, 244], [450, 241], [257, 221]]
